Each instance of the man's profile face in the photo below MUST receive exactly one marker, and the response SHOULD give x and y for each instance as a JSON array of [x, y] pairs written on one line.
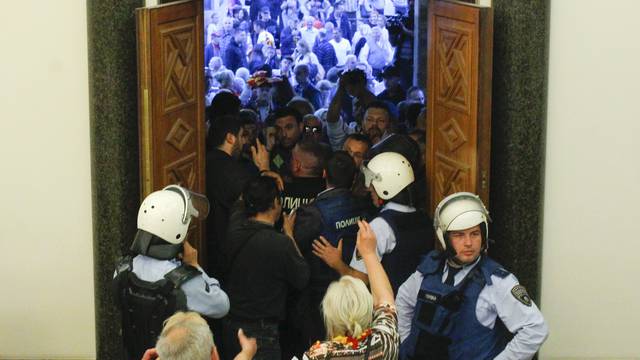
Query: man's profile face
[[356, 149], [239, 144], [376, 123], [288, 131], [466, 243]]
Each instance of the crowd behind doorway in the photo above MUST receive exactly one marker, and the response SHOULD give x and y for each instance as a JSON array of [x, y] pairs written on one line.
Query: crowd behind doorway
[[307, 79], [248, 41]]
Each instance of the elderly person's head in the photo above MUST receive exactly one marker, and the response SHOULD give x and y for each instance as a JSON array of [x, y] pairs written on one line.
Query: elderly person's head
[[215, 64], [186, 335], [347, 307], [243, 73], [225, 78]]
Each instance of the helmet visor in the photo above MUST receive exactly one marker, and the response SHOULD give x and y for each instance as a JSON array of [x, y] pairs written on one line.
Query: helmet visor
[[196, 204], [369, 175], [200, 204]]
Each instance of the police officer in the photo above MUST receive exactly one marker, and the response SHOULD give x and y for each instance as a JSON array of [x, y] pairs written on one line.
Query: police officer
[[460, 304], [162, 274], [403, 233], [333, 216]]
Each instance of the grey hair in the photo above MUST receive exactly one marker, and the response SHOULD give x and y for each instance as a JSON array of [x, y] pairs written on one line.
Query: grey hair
[[185, 336]]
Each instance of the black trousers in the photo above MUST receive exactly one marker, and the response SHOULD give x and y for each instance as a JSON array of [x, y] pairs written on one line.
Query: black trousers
[[265, 331]]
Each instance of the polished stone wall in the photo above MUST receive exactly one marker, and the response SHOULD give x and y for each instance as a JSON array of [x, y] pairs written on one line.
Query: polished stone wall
[[518, 123], [520, 60], [114, 147]]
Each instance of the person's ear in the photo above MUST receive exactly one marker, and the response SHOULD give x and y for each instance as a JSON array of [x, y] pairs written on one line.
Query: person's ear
[[214, 353], [324, 173]]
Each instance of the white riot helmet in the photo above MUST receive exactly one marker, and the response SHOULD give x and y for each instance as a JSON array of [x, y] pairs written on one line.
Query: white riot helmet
[[460, 211], [389, 173], [167, 213]]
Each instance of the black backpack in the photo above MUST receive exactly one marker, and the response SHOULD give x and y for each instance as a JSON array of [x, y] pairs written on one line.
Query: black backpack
[[145, 305]]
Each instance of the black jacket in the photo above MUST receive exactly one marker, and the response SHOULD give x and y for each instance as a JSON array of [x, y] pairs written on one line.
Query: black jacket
[[226, 177], [234, 56], [264, 264]]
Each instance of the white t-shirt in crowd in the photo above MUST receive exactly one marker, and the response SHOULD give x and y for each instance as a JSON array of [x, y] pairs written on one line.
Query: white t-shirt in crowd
[[342, 49]]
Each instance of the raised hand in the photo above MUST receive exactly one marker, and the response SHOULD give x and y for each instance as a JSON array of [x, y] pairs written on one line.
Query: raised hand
[[331, 255], [260, 156], [366, 240]]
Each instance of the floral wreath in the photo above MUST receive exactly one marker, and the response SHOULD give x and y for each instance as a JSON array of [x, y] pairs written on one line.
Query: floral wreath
[[354, 343], [260, 79]]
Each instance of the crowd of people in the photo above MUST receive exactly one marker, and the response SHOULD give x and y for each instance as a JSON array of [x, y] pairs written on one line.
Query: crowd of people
[[307, 45], [308, 210], [318, 245]]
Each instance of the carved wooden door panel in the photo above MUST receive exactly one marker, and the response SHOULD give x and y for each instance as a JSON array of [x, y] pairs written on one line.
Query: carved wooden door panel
[[170, 96], [460, 49]]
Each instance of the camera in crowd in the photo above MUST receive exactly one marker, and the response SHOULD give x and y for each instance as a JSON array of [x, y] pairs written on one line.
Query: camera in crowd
[[395, 23]]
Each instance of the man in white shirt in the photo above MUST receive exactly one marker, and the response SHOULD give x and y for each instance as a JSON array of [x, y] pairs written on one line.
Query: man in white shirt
[[341, 45], [308, 32]]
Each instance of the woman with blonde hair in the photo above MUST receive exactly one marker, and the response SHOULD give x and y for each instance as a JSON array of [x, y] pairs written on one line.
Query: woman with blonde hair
[[304, 55], [360, 324]]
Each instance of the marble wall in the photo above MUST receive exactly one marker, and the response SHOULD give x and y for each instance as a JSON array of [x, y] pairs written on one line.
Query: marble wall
[[114, 143], [519, 112]]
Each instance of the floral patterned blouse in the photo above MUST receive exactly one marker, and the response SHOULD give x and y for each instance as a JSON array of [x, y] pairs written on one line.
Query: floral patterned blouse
[[380, 342]]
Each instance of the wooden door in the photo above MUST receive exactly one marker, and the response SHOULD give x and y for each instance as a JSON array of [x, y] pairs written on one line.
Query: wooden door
[[171, 101], [460, 45]]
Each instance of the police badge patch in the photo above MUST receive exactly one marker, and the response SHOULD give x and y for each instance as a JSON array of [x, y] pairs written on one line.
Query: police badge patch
[[520, 293]]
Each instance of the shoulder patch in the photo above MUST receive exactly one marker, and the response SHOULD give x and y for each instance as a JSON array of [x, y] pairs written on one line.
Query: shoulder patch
[[501, 273], [520, 293]]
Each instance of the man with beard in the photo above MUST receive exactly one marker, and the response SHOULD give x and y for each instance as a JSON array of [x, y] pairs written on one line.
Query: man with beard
[[377, 123], [288, 124], [226, 176]]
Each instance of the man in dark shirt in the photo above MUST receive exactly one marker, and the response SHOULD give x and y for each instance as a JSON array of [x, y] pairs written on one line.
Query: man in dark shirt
[[333, 216], [265, 264], [304, 88], [235, 55], [307, 162], [324, 51], [288, 124], [226, 176], [394, 91]]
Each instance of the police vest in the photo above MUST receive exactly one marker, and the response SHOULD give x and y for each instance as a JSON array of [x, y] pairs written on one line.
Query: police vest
[[414, 239], [340, 212], [145, 305], [444, 324]]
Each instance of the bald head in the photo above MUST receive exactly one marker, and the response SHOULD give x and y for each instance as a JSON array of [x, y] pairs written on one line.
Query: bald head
[[186, 335], [308, 158]]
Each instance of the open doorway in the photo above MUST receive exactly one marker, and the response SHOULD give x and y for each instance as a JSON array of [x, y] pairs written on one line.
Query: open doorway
[[244, 37]]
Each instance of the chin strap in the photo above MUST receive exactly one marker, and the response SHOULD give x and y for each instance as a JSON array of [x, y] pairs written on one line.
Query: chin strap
[[150, 245]]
